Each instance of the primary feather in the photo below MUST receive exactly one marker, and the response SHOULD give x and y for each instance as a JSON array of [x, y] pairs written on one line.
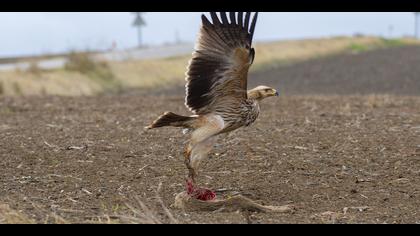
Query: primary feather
[[218, 70]]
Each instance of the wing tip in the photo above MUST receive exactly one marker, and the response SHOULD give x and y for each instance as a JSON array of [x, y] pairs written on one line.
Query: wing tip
[[205, 20], [253, 23], [215, 18]]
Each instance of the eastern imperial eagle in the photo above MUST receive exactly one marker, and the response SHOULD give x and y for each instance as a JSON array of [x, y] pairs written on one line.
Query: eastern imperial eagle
[[216, 89]]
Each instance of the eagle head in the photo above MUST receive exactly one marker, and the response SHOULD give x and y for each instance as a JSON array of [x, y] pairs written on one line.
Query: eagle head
[[262, 92]]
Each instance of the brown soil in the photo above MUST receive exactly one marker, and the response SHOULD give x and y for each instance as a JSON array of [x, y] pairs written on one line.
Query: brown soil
[[390, 71], [336, 159]]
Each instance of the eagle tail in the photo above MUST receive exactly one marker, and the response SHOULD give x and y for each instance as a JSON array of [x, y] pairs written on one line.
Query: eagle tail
[[172, 119]]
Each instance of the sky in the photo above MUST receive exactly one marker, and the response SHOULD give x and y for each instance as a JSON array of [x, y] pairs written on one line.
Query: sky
[[34, 33]]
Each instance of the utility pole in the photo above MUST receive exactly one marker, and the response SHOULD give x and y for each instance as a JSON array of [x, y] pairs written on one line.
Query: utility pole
[[390, 30], [139, 23], [177, 40], [416, 24]]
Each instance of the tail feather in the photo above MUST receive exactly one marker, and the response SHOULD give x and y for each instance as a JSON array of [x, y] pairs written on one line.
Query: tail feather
[[172, 119]]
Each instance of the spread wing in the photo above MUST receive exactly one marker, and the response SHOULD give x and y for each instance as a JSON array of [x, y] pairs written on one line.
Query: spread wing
[[218, 71]]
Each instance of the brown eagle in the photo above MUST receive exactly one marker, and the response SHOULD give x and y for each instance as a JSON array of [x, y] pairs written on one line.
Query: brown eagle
[[216, 89]]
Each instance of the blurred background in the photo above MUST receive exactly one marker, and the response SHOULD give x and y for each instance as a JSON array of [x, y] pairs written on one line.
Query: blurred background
[[89, 53]]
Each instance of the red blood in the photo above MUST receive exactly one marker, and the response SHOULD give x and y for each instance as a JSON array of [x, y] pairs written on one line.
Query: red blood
[[200, 193]]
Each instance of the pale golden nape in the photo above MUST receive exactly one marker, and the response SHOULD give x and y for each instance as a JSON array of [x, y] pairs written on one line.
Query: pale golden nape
[[262, 92]]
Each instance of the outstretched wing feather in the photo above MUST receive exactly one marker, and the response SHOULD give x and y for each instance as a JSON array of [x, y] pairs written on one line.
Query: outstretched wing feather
[[218, 70]]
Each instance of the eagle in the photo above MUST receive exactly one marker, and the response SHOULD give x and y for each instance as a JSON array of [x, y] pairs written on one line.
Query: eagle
[[216, 89]]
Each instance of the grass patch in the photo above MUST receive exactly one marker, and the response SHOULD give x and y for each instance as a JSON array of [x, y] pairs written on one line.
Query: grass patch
[[16, 88], [83, 63], [99, 71], [9, 216], [357, 48], [34, 69], [378, 44], [393, 42]]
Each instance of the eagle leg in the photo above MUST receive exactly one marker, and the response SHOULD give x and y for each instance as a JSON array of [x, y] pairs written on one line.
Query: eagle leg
[[191, 172], [201, 143], [193, 157]]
